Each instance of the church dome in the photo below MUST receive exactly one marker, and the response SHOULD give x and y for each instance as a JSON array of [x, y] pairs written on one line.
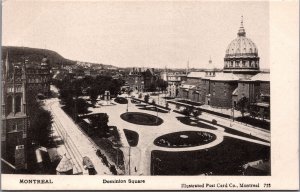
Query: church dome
[[241, 46], [241, 54]]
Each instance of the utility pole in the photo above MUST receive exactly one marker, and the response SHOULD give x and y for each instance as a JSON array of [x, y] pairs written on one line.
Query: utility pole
[[129, 160]]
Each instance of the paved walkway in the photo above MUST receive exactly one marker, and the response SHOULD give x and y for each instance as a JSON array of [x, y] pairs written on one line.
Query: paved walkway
[[138, 159], [147, 135]]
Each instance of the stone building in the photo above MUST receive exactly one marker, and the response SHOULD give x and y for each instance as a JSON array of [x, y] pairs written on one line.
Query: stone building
[[14, 114], [141, 79], [39, 78], [135, 79], [20, 82], [174, 80], [241, 77]]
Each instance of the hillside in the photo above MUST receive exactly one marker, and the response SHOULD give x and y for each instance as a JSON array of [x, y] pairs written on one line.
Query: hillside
[[34, 55]]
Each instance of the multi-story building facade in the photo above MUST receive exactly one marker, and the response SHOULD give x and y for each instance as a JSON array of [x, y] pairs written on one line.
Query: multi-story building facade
[[20, 82], [14, 114], [142, 79], [174, 80], [135, 79], [241, 77], [39, 78]]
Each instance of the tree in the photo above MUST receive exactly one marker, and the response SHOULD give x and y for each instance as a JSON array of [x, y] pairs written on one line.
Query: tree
[[162, 84], [99, 122], [242, 105], [196, 112], [40, 122], [146, 98], [153, 102], [187, 111], [177, 92], [93, 96], [140, 96], [82, 106], [152, 87]]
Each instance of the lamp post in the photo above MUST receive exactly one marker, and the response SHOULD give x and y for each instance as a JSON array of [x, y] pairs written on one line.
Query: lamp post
[[127, 105], [129, 160], [232, 111], [157, 109]]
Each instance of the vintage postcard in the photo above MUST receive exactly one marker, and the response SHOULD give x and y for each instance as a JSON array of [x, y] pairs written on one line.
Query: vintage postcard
[[149, 95]]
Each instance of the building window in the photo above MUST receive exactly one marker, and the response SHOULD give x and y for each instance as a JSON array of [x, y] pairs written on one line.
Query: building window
[[18, 104], [9, 104]]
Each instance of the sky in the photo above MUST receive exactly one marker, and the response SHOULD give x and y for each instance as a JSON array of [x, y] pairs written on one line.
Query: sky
[[137, 33]]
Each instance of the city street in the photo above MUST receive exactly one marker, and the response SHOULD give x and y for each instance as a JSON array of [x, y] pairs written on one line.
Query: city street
[[78, 141]]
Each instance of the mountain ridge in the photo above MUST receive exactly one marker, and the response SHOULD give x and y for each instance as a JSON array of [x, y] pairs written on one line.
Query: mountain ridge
[[35, 55]]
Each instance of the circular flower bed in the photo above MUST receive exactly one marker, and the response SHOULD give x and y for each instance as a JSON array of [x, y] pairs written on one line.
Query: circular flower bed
[[141, 118], [184, 139]]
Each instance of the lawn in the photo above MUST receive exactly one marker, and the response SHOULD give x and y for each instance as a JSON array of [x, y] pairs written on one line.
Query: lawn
[[226, 158], [141, 118], [190, 102], [184, 139], [153, 109], [132, 137], [254, 122]]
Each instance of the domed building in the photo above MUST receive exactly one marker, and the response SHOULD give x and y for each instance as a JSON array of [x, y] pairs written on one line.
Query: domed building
[[210, 70], [241, 55], [241, 77]]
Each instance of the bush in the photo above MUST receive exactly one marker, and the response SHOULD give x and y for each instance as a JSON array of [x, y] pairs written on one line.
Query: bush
[[99, 121], [187, 111], [82, 106], [153, 102], [146, 98], [214, 122], [113, 170], [196, 113], [121, 100]]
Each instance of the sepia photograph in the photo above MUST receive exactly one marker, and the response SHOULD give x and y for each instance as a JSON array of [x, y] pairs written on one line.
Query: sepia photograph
[[130, 89]]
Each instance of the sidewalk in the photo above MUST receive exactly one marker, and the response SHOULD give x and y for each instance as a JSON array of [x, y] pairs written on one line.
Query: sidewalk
[[80, 143], [255, 131], [224, 111]]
